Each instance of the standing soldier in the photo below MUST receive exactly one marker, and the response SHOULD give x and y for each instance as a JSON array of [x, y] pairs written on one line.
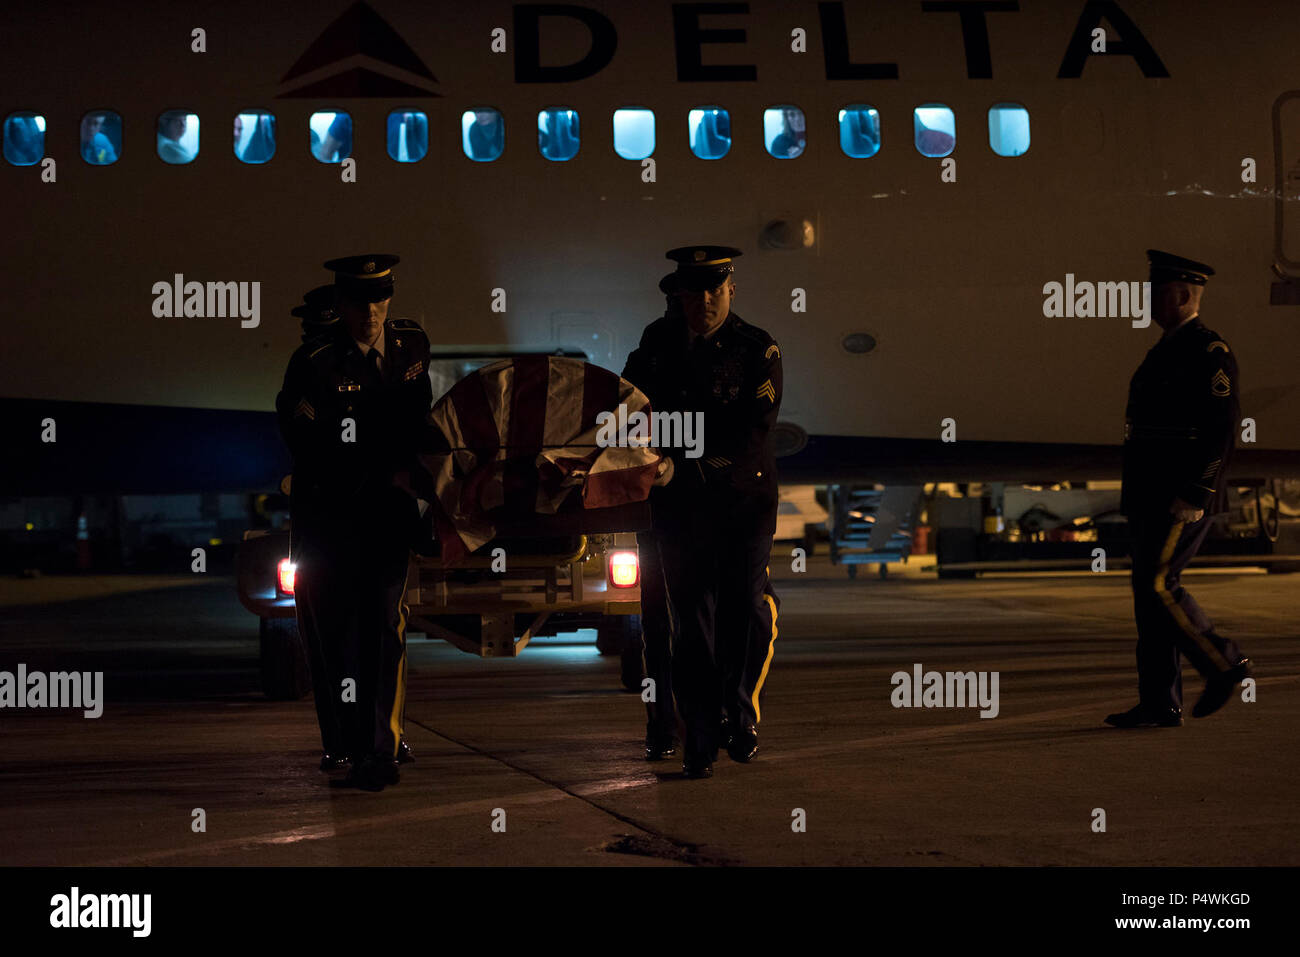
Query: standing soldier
[[657, 626], [319, 315], [1181, 421], [319, 312], [715, 519], [353, 403]]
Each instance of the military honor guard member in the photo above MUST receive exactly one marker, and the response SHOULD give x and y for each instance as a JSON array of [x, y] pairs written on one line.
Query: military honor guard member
[[715, 518], [1180, 427], [657, 625], [354, 400], [319, 311]]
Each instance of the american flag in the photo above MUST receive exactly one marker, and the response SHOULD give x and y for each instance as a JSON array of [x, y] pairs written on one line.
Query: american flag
[[518, 438]]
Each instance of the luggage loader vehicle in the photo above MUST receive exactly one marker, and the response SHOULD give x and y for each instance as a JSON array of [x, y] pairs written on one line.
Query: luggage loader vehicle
[[575, 569]]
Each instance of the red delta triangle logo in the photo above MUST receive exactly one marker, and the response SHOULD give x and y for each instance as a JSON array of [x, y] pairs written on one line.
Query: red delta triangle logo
[[359, 55]]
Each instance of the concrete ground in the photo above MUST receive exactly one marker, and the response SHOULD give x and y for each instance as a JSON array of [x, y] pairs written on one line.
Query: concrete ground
[[552, 741]]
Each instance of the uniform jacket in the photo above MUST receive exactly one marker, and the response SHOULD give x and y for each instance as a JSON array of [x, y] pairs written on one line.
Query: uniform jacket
[[1180, 423], [734, 378], [330, 380]]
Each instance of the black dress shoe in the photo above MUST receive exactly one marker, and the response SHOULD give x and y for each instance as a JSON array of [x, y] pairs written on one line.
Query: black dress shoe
[[743, 745], [1218, 689], [404, 753], [697, 766], [1141, 716], [726, 731], [372, 774], [333, 762], [660, 745]]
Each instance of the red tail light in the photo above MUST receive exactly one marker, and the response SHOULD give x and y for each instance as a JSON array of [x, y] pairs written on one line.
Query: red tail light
[[285, 574], [623, 570]]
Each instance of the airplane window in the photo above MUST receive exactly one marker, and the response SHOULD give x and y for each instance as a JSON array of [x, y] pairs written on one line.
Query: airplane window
[[331, 136], [1008, 129], [178, 137], [710, 130], [408, 135], [557, 134], [784, 131], [634, 133], [935, 129], [24, 138], [482, 134], [859, 130], [254, 137], [101, 137]]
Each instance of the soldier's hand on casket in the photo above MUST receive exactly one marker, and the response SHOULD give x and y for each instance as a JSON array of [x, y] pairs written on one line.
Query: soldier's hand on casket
[[664, 474], [1186, 513]]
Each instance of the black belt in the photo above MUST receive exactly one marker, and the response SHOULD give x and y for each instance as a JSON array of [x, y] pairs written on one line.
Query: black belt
[[1162, 432]]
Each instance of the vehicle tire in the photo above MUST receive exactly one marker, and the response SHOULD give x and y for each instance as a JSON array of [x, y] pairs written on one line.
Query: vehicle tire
[[286, 675], [616, 632]]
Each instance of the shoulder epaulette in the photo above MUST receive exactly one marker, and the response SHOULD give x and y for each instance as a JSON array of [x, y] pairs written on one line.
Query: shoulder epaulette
[[407, 325], [752, 332], [317, 348]]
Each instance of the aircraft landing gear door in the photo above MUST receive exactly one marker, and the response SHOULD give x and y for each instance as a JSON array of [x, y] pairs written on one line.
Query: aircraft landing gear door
[[1286, 200]]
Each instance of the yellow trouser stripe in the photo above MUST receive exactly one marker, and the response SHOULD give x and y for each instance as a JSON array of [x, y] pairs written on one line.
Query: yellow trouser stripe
[[396, 719], [767, 662], [1175, 610]]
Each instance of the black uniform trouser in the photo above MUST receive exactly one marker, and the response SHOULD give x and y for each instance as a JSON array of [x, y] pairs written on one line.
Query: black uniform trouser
[[1169, 621], [657, 629], [722, 601], [350, 588]]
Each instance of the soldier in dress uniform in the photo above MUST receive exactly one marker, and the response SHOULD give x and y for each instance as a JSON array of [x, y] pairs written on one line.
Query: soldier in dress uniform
[[1180, 425], [657, 625], [715, 517], [319, 311], [354, 401]]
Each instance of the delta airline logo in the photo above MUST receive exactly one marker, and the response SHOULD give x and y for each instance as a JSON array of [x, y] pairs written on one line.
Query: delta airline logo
[[360, 55]]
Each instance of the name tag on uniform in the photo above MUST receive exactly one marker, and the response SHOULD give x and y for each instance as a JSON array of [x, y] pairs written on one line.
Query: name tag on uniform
[[349, 387]]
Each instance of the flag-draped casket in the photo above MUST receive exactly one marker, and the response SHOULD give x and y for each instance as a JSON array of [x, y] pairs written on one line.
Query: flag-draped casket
[[518, 438]]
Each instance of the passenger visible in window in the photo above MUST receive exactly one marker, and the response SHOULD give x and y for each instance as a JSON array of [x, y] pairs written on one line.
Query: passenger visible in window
[[24, 143], [792, 138], [416, 127], [934, 142], [487, 136], [934, 130], [239, 134], [558, 136], [337, 145], [171, 127], [713, 134], [95, 146], [261, 143], [860, 133]]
